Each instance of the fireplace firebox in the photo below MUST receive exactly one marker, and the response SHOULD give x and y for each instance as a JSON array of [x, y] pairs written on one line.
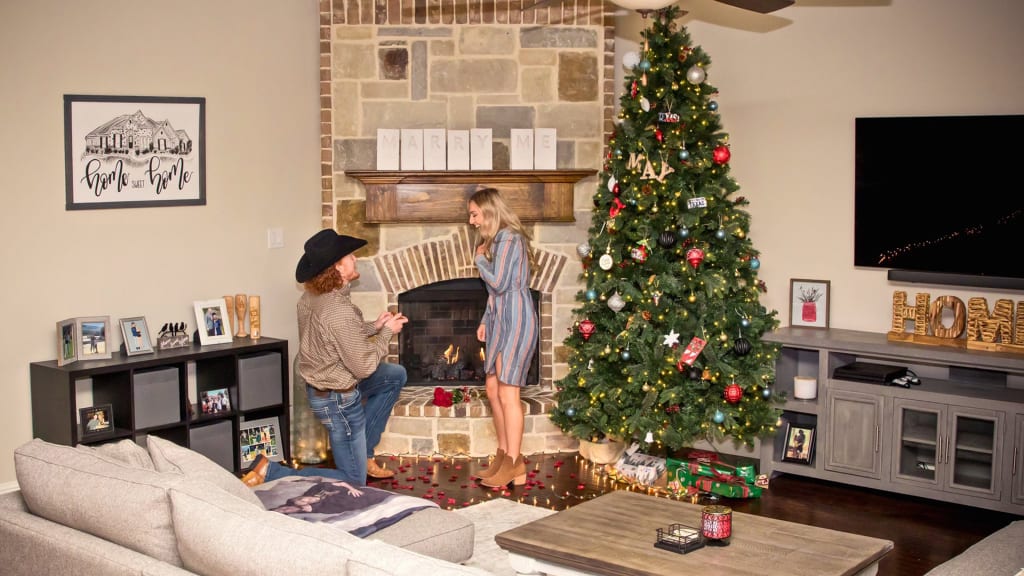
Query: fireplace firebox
[[438, 347]]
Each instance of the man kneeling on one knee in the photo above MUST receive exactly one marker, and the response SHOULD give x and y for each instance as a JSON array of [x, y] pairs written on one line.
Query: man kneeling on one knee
[[351, 390]]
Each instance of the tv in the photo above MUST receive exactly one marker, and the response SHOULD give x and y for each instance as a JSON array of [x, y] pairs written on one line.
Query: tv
[[940, 200]]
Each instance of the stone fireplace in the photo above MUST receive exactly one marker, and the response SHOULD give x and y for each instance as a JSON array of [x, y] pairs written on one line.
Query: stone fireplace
[[462, 64]]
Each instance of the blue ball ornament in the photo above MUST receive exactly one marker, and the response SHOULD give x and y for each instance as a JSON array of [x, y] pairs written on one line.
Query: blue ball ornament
[[591, 295], [684, 155], [720, 234], [755, 263], [767, 392], [712, 105], [718, 417], [570, 412], [645, 65], [745, 322], [625, 355], [683, 232]]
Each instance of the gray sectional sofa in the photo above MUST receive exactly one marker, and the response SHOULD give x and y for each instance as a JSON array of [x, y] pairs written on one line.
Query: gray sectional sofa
[[120, 509]]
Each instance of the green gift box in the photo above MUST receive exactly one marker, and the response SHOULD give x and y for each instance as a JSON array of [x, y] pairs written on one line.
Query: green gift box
[[730, 486], [707, 464]]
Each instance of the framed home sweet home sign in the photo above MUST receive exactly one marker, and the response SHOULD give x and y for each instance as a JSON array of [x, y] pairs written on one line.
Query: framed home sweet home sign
[[134, 151]]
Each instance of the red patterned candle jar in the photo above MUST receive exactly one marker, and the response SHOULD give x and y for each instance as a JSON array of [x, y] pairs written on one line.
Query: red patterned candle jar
[[716, 524]]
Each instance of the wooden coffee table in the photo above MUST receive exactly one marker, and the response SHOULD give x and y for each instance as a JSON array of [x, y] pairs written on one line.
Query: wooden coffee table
[[614, 534]]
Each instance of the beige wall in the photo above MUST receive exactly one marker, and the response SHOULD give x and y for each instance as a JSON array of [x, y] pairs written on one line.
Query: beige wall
[[788, 99], [256, 63]]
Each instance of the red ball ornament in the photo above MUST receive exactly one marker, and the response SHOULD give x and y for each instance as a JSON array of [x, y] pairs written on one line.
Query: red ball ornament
[[659, 136], [733, 393], [721, 155], [694, 256], [616, 190], [587, 328]]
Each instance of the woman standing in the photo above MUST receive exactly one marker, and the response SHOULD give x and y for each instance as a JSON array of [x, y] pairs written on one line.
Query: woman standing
[[509, 326]]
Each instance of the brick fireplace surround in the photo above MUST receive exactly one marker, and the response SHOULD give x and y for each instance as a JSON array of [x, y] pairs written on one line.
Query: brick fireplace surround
[[461, 64]]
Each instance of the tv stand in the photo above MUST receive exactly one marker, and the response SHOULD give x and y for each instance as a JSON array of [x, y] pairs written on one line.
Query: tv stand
[[957, 437]]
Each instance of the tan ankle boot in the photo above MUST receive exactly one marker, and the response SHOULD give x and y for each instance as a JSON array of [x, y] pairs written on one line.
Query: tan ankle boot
[[513, 471], [492, 469]]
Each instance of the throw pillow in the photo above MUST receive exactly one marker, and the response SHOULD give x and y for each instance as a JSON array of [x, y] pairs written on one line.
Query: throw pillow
[[124, 450], [225, 537], [105, 497], [170, 457]]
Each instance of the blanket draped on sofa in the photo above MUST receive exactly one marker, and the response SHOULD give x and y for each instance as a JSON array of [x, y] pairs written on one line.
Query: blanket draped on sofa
[[319, 499]]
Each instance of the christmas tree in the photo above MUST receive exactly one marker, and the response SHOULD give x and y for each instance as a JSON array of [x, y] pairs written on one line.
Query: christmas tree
[[666, 347]]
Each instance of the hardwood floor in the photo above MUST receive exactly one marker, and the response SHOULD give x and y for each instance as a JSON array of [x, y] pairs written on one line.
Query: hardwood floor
[[925, 532]]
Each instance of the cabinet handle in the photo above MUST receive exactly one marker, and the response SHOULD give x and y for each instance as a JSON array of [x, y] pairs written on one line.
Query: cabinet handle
[[878, 438], [1014, 469]]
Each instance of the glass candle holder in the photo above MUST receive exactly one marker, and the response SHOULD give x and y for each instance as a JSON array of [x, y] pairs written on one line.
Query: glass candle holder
[[716, 525]]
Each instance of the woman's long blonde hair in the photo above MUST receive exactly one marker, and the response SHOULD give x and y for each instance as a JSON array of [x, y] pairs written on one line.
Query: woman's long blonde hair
[[498, 215]]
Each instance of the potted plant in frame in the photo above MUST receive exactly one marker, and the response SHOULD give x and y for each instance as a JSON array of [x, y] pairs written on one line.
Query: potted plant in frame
[[809, 309]]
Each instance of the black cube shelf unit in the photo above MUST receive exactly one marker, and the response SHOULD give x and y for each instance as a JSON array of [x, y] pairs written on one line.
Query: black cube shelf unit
[[149, 395]]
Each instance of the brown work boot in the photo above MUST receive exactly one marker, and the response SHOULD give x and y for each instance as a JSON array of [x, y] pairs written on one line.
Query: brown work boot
[[258, 473], [373, 470]]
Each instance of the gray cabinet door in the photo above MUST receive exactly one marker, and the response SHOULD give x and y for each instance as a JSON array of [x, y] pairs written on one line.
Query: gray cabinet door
[[973, 451], [1017, 470], [853, 443], [918, 443]]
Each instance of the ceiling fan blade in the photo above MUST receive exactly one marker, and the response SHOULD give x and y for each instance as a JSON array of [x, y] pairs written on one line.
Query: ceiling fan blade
[[762, 6]]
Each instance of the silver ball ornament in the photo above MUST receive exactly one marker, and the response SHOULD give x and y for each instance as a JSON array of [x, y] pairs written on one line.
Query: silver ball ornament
[[616, 303], [570, 412], [630, 60], [584, 250], [695, 75]]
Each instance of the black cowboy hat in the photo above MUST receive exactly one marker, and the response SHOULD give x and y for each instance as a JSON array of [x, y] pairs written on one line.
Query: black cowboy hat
[[322, 250]]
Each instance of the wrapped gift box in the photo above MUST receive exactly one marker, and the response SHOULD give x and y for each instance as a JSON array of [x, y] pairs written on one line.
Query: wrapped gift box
[[702, 470], [729, 486]]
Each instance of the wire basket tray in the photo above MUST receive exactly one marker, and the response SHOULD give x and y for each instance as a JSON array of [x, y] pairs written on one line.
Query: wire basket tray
[[679, 538]]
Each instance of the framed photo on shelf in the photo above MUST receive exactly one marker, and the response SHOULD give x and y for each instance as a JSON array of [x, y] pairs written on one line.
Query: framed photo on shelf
[[93, 337], [799, 443], [809, 302], [97, 419], [211, 320], [257, 437], [215, 401], [134, 151], [67, 342], [135, 333]]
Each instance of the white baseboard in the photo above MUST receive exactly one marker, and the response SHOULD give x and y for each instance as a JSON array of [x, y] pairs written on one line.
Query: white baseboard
[[8, 487]]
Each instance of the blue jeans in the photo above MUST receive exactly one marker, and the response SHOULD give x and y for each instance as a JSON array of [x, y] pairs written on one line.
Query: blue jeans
[[275, 471], [355, 425]]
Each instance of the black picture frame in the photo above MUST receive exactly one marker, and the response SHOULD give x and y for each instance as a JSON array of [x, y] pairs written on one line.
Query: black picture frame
[[799, 447], [97, 420], [134, 151]]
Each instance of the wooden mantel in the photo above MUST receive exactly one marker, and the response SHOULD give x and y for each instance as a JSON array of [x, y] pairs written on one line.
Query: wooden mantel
[[441, 196]]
